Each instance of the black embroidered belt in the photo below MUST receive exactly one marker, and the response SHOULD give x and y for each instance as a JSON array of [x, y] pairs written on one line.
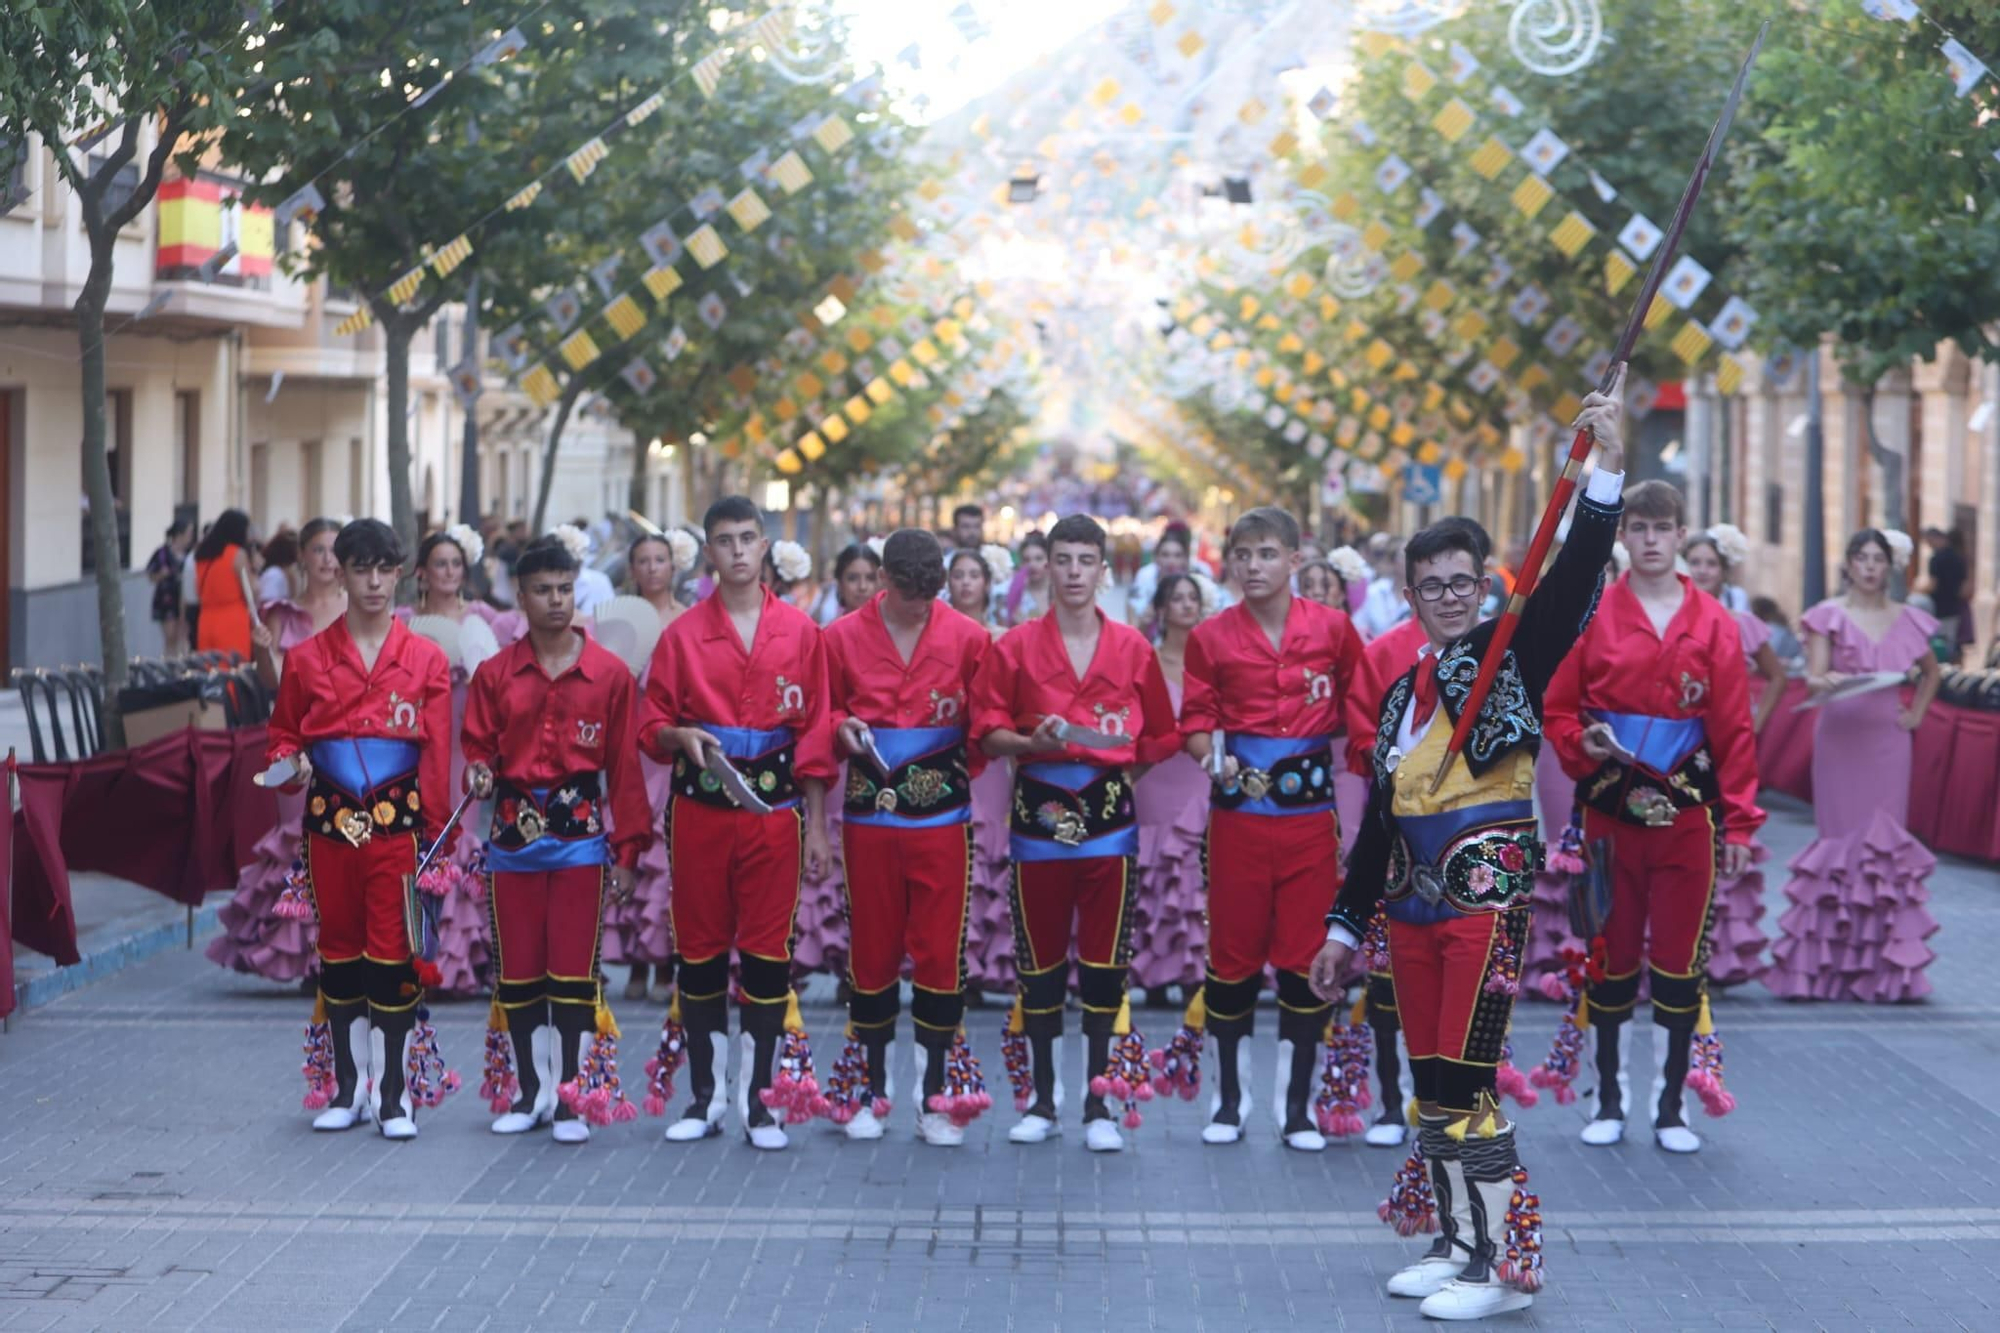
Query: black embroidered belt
[[1270, 782], [568, 810], [1478, 859], [1636, 794], [925, 786], [1071, 806], [768, 774], [391, 807]]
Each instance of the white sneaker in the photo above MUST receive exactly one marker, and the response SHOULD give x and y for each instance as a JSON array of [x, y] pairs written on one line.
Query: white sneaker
[[1427, 1276], [1033, 1129], [1387, 1134], [768, 1138], [937, 1130], [1215, 1132], [1306, 1140], [572, 1131], [1604, 1133], [336, 1118], [1103, 1136], [864, 1127], [1677, 1138], [1458, 1299], [401, 1127], [693, 1129], [516, 1122]]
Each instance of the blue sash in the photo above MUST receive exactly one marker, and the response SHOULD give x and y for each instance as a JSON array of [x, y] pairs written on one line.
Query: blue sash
[[1660, 743], [359, 765], [901, 746], [1296, 770]]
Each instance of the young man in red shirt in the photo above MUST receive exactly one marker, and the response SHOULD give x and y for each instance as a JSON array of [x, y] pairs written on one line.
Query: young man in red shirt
[[1079, 703], [363, 715], [900, 673], [1268, 675], [739, 678], [1650, 713], [548, 732]]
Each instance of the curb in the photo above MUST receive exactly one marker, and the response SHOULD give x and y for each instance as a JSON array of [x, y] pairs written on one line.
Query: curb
[[111, 959]]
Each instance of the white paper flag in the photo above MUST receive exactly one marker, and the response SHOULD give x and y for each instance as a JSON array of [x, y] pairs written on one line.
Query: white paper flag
[[1967, 69], [1685, 282], [1733, 322], [1545, 151], [1640, 237]]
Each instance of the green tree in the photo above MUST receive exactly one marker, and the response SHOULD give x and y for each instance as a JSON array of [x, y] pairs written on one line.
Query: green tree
[[1880, 226], [69, 73]]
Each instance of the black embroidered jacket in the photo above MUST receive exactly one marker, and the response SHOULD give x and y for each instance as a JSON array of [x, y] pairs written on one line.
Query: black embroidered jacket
[[1511, 718]]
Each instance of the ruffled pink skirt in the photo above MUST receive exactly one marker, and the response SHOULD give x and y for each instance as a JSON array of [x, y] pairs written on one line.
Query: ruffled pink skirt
[[819, 931], [989, 925], [1736, 942], [1858, 920], [641, 931], [1169, 921], [254, 938]]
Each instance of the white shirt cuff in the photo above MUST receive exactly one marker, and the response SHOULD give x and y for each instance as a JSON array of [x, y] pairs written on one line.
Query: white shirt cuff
[[1340, 933], [1604, 487]]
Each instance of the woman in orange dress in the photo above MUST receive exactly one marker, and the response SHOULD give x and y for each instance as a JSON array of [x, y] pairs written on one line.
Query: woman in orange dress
[[222, 584]]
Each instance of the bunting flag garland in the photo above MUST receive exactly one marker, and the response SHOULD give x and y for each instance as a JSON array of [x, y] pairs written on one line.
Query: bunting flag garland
[[707, 247], [707, 71], [585, 159], [791, 173], [404, 289], [526, 196], [579, 349], [453, 254], [662, 282], [355, 322], [540, 386], [748, 210], [625, 316]]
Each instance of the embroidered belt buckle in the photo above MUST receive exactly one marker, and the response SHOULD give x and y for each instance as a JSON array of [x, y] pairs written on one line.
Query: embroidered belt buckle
[[355, 827], [529, 824], [1069, 829], [885, 800], [1429, 883], [1255, 782], [1653, 808]]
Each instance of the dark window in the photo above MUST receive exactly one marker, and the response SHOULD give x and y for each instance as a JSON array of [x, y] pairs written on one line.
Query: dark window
[[122, 185], [13, 173], [1774, 513]]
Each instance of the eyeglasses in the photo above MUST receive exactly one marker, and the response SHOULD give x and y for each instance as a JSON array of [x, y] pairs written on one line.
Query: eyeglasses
[[1433, 590]]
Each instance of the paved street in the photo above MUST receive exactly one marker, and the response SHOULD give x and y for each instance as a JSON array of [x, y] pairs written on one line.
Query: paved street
[[156, 1172]]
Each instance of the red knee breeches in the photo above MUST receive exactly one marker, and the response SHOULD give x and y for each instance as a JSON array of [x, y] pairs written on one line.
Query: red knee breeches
[[1662, 889], [545, 926], [1271, 880], [906, 895], [1454, 1025], [1085, 900], [736, 885], [358, 892]]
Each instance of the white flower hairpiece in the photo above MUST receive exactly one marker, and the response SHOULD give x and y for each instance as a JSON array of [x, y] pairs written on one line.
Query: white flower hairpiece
[[794, 565], [999, 562], [876, 544], [1900, 546], [468, 541], [684, 547], [572, 537], [1731, 543], [1350, 564], [1211, 596]]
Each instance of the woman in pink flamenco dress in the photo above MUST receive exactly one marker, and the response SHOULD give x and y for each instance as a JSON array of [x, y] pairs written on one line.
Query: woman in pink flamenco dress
[[465, 929], [1858, 921], [258, 937], [638, 932], [1169, 925], [1736, 942], [971, 577]]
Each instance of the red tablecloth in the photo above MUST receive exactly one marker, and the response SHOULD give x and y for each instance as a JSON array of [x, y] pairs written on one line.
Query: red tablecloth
[[1954, 772], [6, 885], [177, 815]]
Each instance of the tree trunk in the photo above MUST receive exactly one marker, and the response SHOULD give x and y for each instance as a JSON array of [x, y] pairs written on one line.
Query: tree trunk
[[564, 406], [97, 485], [396, 334], [468, 453], [635, 487]]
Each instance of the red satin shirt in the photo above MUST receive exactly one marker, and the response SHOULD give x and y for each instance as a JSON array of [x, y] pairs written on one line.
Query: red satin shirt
[[535, 732], [1695, 670], [1235, 679], [327, 694], [867, 678], [701, 674], [1385, 659], [1027, 676]]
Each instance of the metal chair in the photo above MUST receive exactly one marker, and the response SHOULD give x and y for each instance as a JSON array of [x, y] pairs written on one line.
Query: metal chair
[[36, 684]]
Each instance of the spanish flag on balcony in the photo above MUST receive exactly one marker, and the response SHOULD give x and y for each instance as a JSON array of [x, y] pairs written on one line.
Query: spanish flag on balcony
[[191, 226]]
